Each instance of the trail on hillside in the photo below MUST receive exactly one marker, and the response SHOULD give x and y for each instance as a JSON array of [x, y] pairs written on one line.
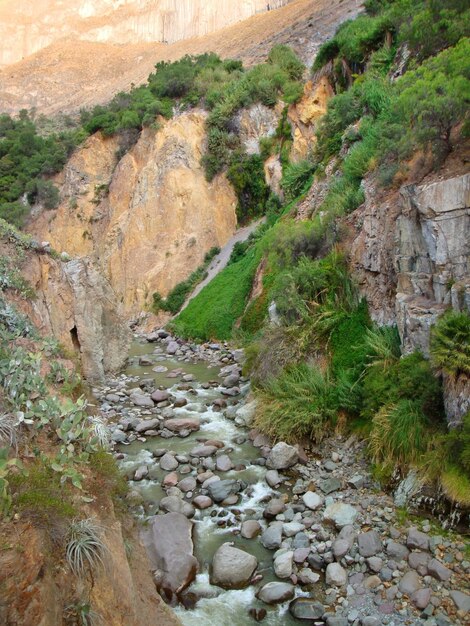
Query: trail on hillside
[[220, 260]]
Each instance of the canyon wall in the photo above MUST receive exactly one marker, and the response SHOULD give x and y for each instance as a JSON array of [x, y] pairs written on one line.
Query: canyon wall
[[27, 26], [147, 219]]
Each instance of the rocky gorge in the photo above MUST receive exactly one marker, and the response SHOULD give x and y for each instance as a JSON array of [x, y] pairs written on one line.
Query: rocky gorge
[[237, 528]]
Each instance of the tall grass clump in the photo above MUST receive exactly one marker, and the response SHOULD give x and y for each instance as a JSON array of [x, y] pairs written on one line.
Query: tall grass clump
[[85, 548], [299, 403], [450, 344], [399, 434]]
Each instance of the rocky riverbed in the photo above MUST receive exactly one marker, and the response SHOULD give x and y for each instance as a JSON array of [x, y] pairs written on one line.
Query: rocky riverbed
[[239, 530]]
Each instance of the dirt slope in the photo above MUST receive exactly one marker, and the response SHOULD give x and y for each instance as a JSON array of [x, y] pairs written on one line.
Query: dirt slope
[[71, 74]]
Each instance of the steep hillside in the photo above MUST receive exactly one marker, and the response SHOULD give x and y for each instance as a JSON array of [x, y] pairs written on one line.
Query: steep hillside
[[95, 71], [27, 26]]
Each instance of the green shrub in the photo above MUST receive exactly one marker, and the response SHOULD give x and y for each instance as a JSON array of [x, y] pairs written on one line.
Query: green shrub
[[409, 378], [246, 173], [348, 343], [450, 344], [41, 496]]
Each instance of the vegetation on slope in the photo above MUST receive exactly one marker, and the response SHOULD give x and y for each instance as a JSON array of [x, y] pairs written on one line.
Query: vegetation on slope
[[402, 79], [54, 458]]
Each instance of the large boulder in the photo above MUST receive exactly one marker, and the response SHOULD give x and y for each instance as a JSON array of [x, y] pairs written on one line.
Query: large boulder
[[282, 456], [232, 568], [169, 545]]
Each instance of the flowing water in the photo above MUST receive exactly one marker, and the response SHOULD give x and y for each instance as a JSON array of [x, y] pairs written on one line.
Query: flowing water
[[215, 525]]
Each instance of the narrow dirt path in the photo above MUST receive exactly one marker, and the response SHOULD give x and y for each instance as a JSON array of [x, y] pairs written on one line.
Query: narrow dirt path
[[220, 261]]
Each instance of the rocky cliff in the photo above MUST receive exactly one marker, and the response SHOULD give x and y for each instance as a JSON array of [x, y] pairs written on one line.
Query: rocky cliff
[[410, 256], [75, 304], [146, 220]]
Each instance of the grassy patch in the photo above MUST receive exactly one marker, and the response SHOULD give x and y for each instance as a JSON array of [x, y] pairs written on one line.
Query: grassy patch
[[213, 312]]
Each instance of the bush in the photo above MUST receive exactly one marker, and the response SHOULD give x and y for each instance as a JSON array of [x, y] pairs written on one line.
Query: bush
[[450, 344], [410, 378], [246, 173], [85, 546]]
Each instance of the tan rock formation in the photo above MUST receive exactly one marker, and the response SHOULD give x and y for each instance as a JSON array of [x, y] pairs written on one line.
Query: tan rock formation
[[304, 116], [159, 219]]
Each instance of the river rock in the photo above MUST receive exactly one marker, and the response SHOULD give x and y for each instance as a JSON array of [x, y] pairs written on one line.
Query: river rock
[[274, 507], [272, 478], [305, 608], [328, 485], [118, 436], [340, 548], [250, 529], [282, 456], [275, 592], [419, 561], [141, 399], [292, 528], [223, 463], [178, 424], [421, 598], [312, 500], [232, 568], [172, 347], [174, 504], [272, 536], [335, 575], [231, 381], [438, 571], [417, 540], [410, 583], [283, 564], [203, 450], [397, 550], [220, 490], [170, 480], [187, 484], [159, 396], [307, 577], [145, 425], [141, 473], [169, 546], [246, 413], [370, 543], [202, 502], [340, 514], [461, 600], [168, 462]]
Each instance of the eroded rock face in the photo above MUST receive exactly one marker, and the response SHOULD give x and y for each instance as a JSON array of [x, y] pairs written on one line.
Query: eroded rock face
[[76, 304], [169, 546], [305, 114], [147, 220]]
